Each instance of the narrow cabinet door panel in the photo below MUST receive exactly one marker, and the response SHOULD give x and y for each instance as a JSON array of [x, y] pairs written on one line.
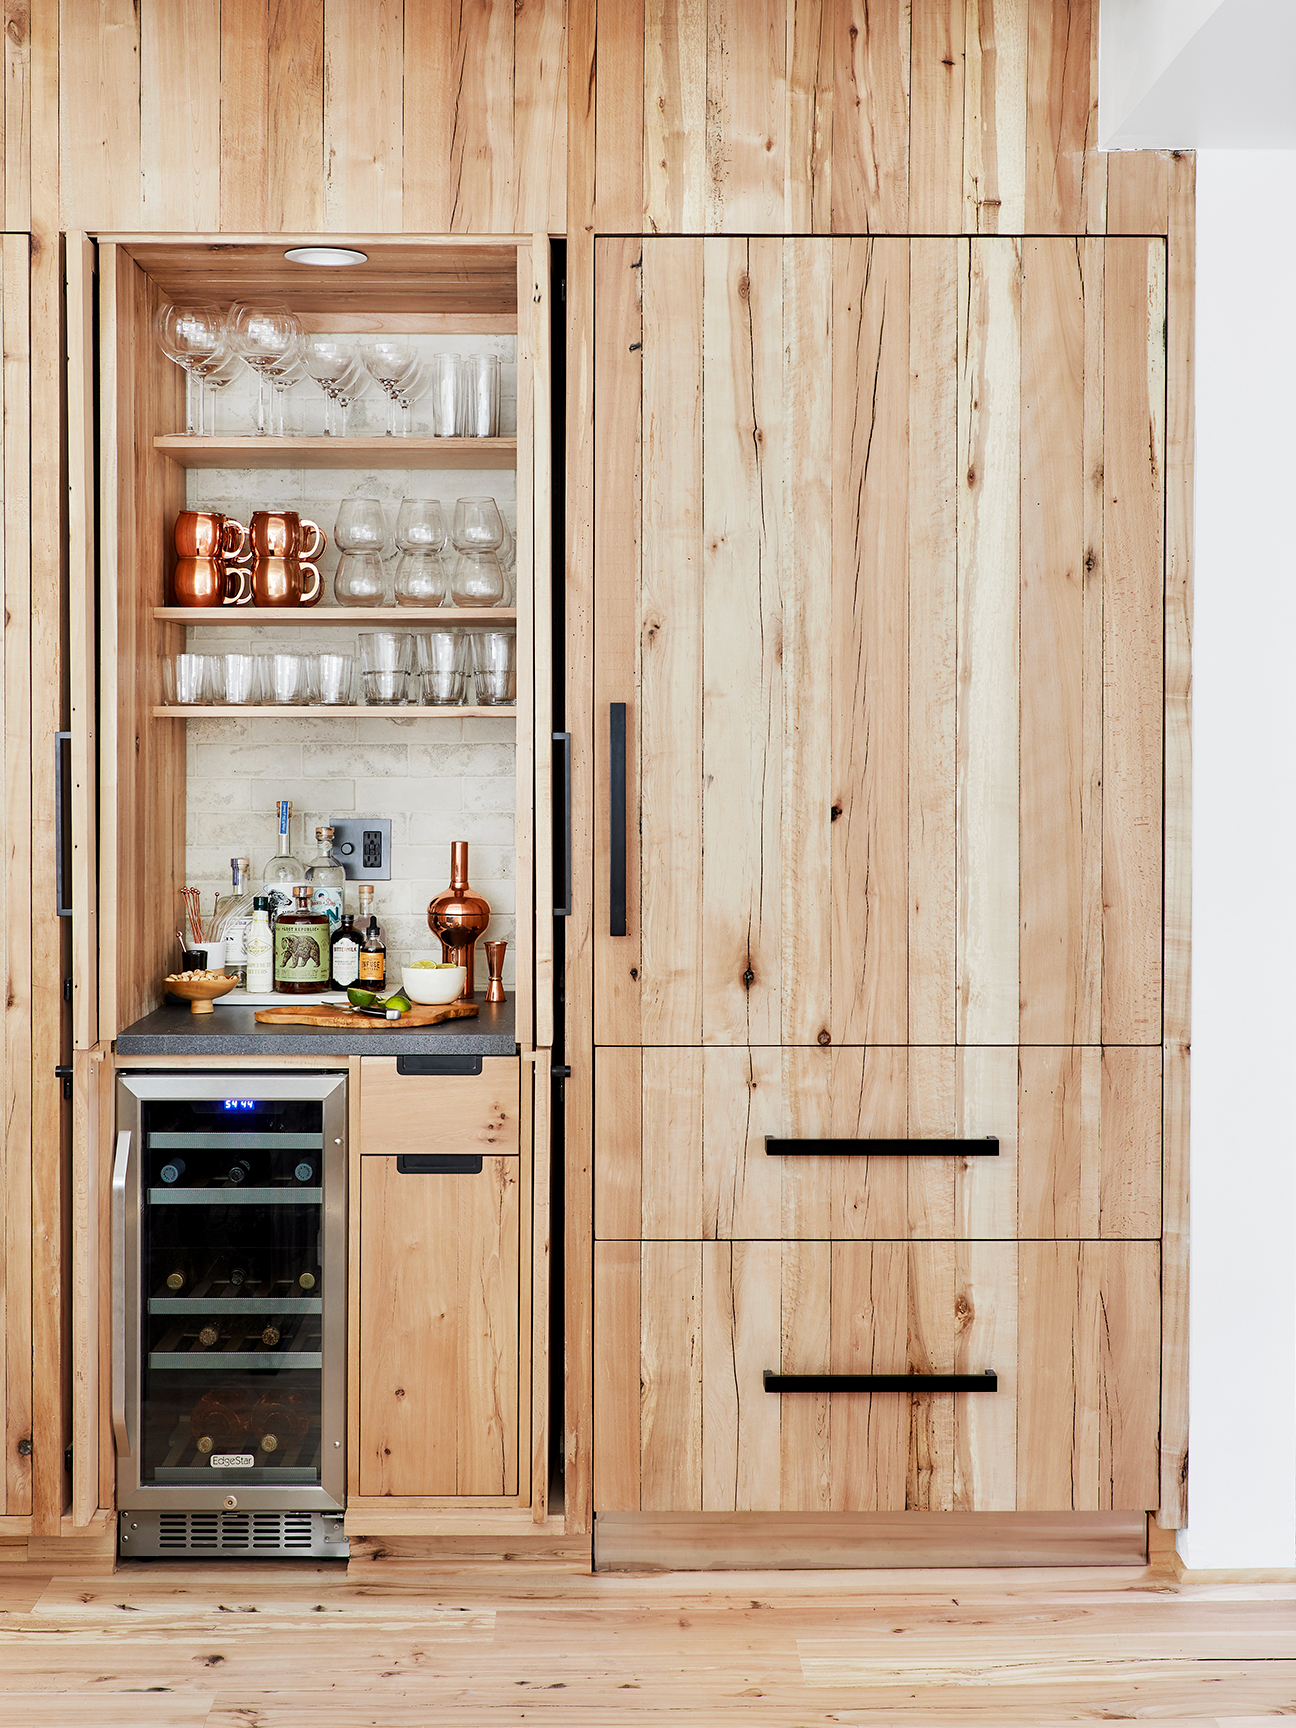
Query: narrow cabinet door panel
[[684, 1420], [878, 580], [681, 1143], [438, 1333]]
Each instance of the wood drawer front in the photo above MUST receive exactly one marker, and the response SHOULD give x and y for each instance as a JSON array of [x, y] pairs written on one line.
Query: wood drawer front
[[438, 1331], [680, 1143], [684, 1331], [439, 1112]]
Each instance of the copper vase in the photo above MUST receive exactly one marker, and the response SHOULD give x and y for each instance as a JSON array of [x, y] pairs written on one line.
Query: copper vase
[[458, 917]]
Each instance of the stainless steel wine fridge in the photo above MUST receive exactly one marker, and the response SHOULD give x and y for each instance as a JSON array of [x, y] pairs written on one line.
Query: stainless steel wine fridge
[[229, 1313]]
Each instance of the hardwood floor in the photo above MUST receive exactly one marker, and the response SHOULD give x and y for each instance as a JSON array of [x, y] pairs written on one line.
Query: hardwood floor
[[296, 1646]]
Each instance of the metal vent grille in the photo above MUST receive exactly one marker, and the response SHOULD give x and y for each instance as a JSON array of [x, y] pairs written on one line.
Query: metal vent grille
[[268, 1534]]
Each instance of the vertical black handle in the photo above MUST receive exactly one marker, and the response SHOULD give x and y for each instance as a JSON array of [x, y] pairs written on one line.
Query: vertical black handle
[[63, 823], [564, 911], [617, 822]]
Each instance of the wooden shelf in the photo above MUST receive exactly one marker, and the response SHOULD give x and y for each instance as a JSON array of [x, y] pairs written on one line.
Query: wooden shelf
[[407, 617], [268, 452], [317, 711]]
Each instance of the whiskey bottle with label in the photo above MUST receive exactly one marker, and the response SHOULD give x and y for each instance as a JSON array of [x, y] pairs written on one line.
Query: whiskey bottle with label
[[301, 948], [346, 953]]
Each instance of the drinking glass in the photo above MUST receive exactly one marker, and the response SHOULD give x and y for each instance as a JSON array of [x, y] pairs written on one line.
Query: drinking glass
[[267, 337], [385, 689], [479, 397], [386, 650], [360, 580], [194, 338], [186, 680], [420, 535], [236, 678], [476, 580], [409, 387], [328, 362], [361, 525], [478, 525], [336, 679], [494, 661], [442, 665], [284, 377], [388, 360], [285, 679], [216, 383], [350, 386], [447, 388]]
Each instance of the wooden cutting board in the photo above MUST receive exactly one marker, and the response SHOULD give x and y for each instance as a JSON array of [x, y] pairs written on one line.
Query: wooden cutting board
[[343, 1020]]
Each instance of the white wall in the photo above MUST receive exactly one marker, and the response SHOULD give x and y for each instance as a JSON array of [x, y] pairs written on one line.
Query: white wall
[[1242, 1458], [1138, 40]]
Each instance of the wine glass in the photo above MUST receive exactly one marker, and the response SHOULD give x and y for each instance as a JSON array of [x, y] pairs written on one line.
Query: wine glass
[[214, 383], [388, 360], [348, 388], [328, 361], [194, 338], [478, 525], [284, 377], [361, 533], [420, 535], [268, 337]]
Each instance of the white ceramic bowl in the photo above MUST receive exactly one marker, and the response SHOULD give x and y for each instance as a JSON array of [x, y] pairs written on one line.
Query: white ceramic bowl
[[431, 986]]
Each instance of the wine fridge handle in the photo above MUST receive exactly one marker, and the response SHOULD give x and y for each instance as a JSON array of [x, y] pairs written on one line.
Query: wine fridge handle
[[120, 1416], [617, 820]]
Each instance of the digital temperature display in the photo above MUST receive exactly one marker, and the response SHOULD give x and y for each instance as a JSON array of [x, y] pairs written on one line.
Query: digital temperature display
[[238, 1104]]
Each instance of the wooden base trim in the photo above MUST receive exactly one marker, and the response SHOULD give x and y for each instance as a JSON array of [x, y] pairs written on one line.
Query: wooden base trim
[[365, 1518], [525, 1543], [758, 1541], [88, 1550]]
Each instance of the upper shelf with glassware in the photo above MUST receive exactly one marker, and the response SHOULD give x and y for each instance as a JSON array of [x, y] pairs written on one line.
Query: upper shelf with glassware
[[336, 452]]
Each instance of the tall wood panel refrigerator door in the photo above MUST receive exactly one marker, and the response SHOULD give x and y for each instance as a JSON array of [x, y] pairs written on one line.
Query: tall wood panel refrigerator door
[[878, 641]]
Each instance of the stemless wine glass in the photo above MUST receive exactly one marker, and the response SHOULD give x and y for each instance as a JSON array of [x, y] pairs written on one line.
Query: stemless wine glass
[[194, 338], [267, 336], [361, 533], [442, 666], [494, 658], [388, 360], [477, 579], [478, 525], [420, 535]]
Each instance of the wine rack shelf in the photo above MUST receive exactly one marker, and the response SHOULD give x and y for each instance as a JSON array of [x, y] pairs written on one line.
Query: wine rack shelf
[[292, 453]]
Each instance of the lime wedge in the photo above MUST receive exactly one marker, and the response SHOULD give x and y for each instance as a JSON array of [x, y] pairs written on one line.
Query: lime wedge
[[359, 998], [399, 1000]]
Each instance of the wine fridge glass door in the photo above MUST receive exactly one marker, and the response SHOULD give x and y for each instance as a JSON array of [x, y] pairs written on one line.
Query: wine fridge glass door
[[236, 1333]]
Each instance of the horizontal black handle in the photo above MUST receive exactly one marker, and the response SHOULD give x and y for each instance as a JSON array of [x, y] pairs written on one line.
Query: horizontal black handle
[[438, 1064], [987, 1382], [438, 1163], [835, 1148]]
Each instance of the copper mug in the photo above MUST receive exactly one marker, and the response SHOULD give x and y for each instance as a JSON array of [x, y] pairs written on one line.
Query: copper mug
[[281, 558], [208, 544]]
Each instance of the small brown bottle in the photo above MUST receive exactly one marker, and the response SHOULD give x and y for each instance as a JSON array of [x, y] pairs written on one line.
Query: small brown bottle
[[373, 950], [302, 956]]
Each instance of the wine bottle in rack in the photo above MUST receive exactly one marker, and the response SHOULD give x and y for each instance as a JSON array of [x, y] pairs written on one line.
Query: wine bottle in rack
[[219, 1421], [279, 1421]]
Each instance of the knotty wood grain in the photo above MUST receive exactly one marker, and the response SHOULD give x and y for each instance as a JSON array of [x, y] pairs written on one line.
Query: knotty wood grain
[[674, 107], [539, 58], [746, 116], [1061, 116], [810, 95], [870, 131], [613, 109], [180, 118], [439, 1112], [363, 116], [994, 116], [936, 116], [18, 114], [272, 163], [99, 116]]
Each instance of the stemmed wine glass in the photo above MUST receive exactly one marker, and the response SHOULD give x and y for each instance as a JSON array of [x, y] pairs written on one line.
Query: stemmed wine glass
[[214, 383], [391, 363], [268, 337], [194, 338], [330, 362]]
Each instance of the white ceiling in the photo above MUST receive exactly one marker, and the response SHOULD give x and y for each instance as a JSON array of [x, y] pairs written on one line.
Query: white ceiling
[[1197, 74]]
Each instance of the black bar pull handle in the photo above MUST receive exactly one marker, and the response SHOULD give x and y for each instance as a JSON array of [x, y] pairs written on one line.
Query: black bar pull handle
[[438, 1163], [837, 1148], [563, 872], [987, 1382], [63, 823], [617, 822], [438, 1065]]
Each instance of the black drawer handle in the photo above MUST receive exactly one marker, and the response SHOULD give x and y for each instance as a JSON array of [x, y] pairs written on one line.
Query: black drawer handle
[[438, 1064], [438, 1163], [987, 1382], [617, 822], [833, 1148]]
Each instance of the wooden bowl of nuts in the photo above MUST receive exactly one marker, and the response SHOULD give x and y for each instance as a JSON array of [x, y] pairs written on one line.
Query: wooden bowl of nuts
[[199, 989]]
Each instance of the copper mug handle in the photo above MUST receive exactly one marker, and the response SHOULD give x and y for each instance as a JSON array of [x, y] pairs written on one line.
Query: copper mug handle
[[309, 552], [240, 575], [232, 554], [314, 595]]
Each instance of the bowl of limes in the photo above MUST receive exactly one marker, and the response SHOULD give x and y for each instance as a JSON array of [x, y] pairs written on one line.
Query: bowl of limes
[[433, 982]]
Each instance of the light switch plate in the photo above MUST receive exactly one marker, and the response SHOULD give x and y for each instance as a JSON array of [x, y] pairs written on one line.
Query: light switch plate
[[362, 846]]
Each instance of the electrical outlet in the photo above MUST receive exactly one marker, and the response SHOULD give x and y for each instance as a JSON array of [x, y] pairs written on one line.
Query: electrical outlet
[[362, 846]]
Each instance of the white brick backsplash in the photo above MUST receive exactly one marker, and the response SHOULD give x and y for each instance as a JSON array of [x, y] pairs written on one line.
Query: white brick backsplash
[[432, 828]]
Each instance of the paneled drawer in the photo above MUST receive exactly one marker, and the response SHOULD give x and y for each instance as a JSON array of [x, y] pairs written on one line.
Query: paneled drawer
[[439, 1112], [684, 1333], [681, 1153]]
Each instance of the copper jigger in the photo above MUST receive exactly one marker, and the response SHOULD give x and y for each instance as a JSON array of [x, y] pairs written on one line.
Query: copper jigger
[[495, 961], [458, 917]]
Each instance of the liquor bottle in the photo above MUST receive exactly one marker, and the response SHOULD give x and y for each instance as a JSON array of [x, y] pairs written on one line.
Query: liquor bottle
[[259, 949], [283, 873], [301, 952], [373, 958], [218, 1421], [346, 945], [327, 879], [231, 919]]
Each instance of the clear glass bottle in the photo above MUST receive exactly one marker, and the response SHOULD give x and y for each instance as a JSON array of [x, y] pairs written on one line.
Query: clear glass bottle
[[346, 953], [327, 880], [301, 948], [231, 919], [259, 949], [283, 872]]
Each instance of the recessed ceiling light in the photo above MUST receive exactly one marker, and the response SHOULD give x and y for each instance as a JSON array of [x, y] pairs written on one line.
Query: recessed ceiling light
[[325, 255]]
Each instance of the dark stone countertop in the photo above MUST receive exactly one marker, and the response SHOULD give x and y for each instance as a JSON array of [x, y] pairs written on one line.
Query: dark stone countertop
[[174, 1031]]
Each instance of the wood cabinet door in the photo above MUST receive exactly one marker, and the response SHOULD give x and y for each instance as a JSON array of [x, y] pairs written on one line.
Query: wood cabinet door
[[682, 1143], [879, 586], [437, 1376], [685, 1331]]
